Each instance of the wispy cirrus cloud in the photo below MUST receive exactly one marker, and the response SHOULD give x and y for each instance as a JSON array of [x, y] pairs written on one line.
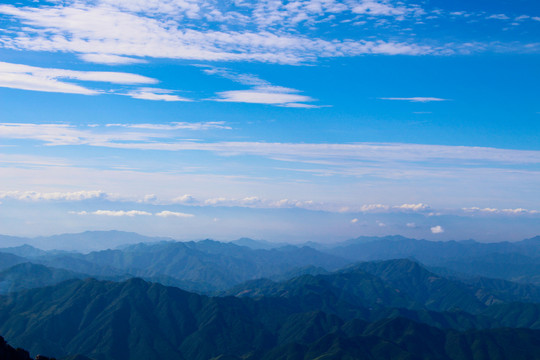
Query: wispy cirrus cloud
[[517, 211], [395, 208], [145, 139], [54, 196], [115, 213], [109, 59], [155, 94], [176, 214], [207, 125], [266, 95], [33, 78], [133, 213], [498, 17], [261, 92], [415, 99]]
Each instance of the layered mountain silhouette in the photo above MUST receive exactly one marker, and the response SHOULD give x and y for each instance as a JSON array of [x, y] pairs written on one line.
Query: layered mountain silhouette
[[202, 266], [513, 261], [367, 298], [140, 320]]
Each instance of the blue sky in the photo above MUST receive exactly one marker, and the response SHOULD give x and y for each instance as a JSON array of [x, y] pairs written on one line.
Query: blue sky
[[299, 120]]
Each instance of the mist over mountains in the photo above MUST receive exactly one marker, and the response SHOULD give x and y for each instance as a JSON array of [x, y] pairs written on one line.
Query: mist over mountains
[[390, 297]]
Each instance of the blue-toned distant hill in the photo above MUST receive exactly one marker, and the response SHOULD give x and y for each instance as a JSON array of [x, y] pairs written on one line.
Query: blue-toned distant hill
[[207, 265], [220, 265], [391, 284], [7, 260], [24, 251], [403, 288], [28, 276], [202, 266], [81, 242], [516, 261], [393, 247]]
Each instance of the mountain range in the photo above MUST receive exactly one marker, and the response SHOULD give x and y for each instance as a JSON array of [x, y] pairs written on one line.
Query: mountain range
[[140, 320], [250, 300]]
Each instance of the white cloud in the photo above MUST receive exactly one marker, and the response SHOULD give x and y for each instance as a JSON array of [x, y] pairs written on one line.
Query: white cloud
[[174, 214], [216, 201], [53, 196], [415, 99], [374, 207], [384, 8], [104, 30], [522, 17], [262, 91], [149, 198], [477, 209], [498, 17], [354, 221], [101, 76], [188, 8], [257, 202], [518, 211], [244, 79], [127, 31], [63, 134], [184, 199], [118, 213], [387, 208], [302, 106], [82, 213], [412, 207], [263, 96], [109, 59], [155, 94], [33, 78], [411, 225], [437, 229], [289, 14], [145, 139], [207, 125]]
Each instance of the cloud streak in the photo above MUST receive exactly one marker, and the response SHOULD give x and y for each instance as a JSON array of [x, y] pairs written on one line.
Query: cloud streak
[[132, 213], [24, 77], [167, 214], [115, 213], [139, 139], [415, 99], [155, 94], [263, 95], [54, 196]]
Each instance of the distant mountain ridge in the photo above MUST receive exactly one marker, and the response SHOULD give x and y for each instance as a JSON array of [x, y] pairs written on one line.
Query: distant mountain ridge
[[323, 302], [86, 241], [202, 266], [207, 265]]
